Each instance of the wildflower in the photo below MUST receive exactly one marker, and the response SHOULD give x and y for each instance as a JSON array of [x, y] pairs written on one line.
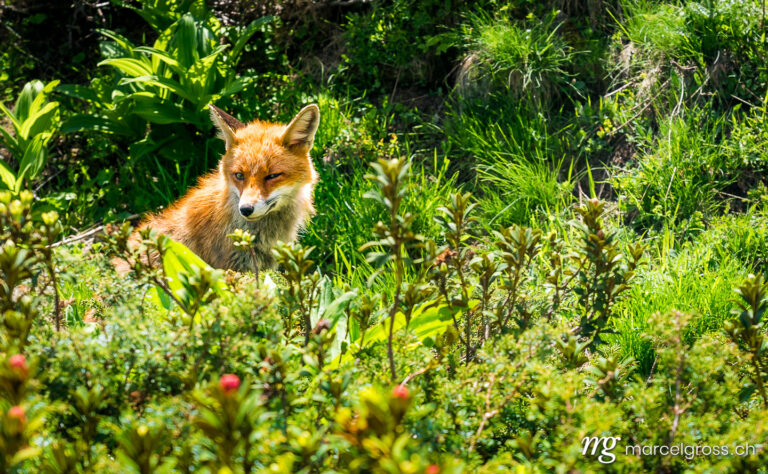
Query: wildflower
[[18, 364], [401, 392], [229, 383], [17, 413]]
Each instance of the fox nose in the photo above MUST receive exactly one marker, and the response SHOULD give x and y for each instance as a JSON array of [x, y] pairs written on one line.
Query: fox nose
[[246, 210]]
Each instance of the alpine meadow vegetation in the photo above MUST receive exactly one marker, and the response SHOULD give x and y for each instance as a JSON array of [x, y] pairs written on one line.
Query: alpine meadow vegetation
[[540, 239]]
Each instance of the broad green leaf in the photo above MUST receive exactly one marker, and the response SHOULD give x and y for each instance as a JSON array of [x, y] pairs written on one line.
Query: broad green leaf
[[354, 329], [236, 86], [109, 50], [185, 41], [51, 86], [324, 299], [178, 260], [7, 176], [11, 116], [120, 40], [335, 309], [334, 312], [33, 159], [95, 123], [207, 61], [205, 37], [79, 92], [42, 120], [37, 109], [24, 102], [164, 39], [167, 84], [331, 307], [129, 66], [164, 57], [147, 106], [428, 321], [10, 142], [147, 146], [157, 18]]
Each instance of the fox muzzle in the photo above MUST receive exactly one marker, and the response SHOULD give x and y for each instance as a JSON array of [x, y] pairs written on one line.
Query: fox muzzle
[[258, 209]]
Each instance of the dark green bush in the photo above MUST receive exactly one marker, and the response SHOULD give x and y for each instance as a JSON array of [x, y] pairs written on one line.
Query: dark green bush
[[546, 253]]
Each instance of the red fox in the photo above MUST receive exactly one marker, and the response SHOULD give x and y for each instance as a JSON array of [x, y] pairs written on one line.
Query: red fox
[[263, 184]]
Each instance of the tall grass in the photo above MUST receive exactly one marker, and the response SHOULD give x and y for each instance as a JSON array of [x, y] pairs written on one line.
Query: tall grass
[[658, 29], [520, 163], [696, 277], [685, 172], [692, 280], [345, 145], [527, 59]]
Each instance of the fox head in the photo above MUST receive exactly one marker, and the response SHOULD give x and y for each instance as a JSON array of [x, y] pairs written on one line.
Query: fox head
[[267, 165]]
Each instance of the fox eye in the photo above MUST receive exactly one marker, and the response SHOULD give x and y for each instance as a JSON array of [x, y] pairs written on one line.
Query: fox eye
[[239, 176], [272, 176]]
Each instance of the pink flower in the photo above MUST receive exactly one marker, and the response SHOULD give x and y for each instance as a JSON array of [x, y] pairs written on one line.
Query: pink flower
[[17, 412], [401, 392], [229, 383], [433, 469], [19, 364]]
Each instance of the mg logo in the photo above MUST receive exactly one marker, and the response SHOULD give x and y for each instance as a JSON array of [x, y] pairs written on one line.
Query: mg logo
[[608, 443]]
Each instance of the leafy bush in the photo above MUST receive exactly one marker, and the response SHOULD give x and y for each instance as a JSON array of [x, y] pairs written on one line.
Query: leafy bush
[[173, 80], [528, 60], [397, 43], [165, 88], [684, 174], [35, 120]]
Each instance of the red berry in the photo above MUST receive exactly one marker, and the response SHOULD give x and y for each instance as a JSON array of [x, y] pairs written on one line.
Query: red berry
[[229, 383], [19, 364], [401, 392], [17, 412], [433, 469]]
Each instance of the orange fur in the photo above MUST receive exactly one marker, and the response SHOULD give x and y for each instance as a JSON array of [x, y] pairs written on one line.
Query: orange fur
[[278, 179]]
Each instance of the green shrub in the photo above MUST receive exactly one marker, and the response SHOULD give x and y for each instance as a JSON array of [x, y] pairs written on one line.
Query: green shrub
[[684, 172], [397, 44], [35, 120], [414, 327], [159, 94], [528, 60], [498, 356]]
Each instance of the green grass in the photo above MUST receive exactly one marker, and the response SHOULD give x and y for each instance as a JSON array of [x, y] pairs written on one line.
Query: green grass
[[686, 170], [696, 277], [345, 217], [659, 29], [520, 161], [527, 59]]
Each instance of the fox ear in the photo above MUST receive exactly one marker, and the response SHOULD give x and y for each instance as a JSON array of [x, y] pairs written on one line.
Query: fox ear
[[301, 131], [226, 124]]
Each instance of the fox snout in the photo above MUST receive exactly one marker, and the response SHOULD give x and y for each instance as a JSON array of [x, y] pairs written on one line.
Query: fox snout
[[246, 209], [257, 209]]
